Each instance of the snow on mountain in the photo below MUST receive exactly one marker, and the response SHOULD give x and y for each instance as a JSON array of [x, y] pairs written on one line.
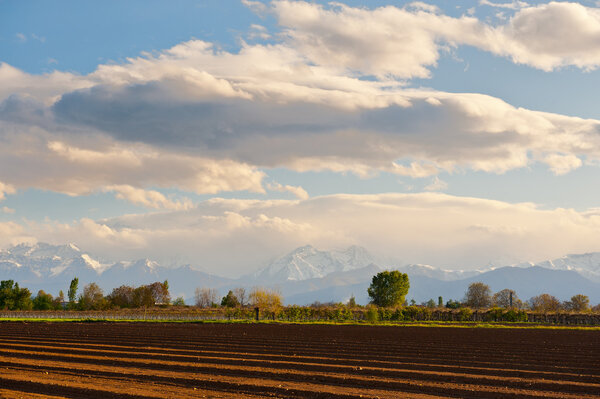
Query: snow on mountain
[[434, 272], [588, 264], [308, 262], [51, 268]]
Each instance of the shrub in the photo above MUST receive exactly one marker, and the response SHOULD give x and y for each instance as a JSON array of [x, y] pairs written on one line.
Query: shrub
[[451, 304], [514, 315], [494, 314], [465, 314], [410, 313], [372, 315]]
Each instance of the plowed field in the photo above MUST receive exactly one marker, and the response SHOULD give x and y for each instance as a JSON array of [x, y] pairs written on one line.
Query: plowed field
[[145, 360]]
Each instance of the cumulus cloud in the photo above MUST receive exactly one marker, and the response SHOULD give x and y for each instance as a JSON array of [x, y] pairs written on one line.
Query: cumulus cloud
[[549, 36], [148, 198], [201, 119], [407, 42], [459, 232], [81, 163], [45, 88], [438, 130], [12, 233]]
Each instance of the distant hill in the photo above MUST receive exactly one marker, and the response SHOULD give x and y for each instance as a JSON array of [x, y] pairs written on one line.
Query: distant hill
[[303, 276]]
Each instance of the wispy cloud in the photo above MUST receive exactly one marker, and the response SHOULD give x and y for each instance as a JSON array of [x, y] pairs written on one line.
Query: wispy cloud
[[436, 185], [514, 5], [24, 38], [298, 191], [149, 198]]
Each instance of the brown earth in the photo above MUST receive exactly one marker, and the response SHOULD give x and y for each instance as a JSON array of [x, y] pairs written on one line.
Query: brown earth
[[164, 360]]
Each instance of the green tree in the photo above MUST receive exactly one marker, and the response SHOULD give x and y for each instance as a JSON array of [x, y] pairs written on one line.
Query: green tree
[[230, 300], [452, 304], [58, 301], [43, 301], [179, 301], [478, 295], [388, 288], [430, 303], [72, 293], [12, 297]]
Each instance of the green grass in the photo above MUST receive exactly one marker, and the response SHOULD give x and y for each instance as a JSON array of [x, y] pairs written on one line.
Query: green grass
[[449, 324]]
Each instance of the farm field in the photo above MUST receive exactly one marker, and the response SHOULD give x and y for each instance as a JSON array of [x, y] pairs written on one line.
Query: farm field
[[186, 360]]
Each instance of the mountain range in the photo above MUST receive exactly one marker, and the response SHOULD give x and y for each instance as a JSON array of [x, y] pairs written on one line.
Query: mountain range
[[303, 276]]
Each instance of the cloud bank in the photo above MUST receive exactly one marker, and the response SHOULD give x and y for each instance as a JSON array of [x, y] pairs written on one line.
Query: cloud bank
[[439, 229]]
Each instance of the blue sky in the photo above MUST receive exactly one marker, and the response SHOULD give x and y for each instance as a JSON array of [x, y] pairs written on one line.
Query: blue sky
[[130, 125]]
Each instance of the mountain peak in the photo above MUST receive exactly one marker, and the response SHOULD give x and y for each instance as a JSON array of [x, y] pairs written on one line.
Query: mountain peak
[[307, 262]]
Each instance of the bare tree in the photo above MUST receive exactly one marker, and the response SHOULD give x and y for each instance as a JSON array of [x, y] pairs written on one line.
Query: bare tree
[[205, 297], [578, 303], [503, 299], [544, 303], [478, 295], [92, 297]]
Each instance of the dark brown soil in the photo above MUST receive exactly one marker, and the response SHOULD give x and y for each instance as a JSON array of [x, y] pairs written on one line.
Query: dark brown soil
[[163, 360]]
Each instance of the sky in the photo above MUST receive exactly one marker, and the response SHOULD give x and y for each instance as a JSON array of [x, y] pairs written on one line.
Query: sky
[[224, 134]]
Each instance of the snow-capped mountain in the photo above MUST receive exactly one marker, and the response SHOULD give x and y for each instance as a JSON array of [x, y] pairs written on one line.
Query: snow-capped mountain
[[303, 276], [588, 264], [26, 262], [51, 268], [308, 262], [434, 272]]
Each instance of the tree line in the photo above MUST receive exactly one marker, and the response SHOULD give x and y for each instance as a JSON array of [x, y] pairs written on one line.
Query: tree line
[[389, 289], [14, 297]]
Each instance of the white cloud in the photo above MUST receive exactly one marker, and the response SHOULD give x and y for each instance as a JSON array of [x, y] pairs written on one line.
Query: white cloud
[[562, 164], [12, 233], [407, 42], [8, 210], [45, 88], [201, 119], [6, 189], [21, 37], [436, 185], [149, 198], [460, 232], [298, 191], [551, 36], [30, 160], [514, 5], [258, 32]]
